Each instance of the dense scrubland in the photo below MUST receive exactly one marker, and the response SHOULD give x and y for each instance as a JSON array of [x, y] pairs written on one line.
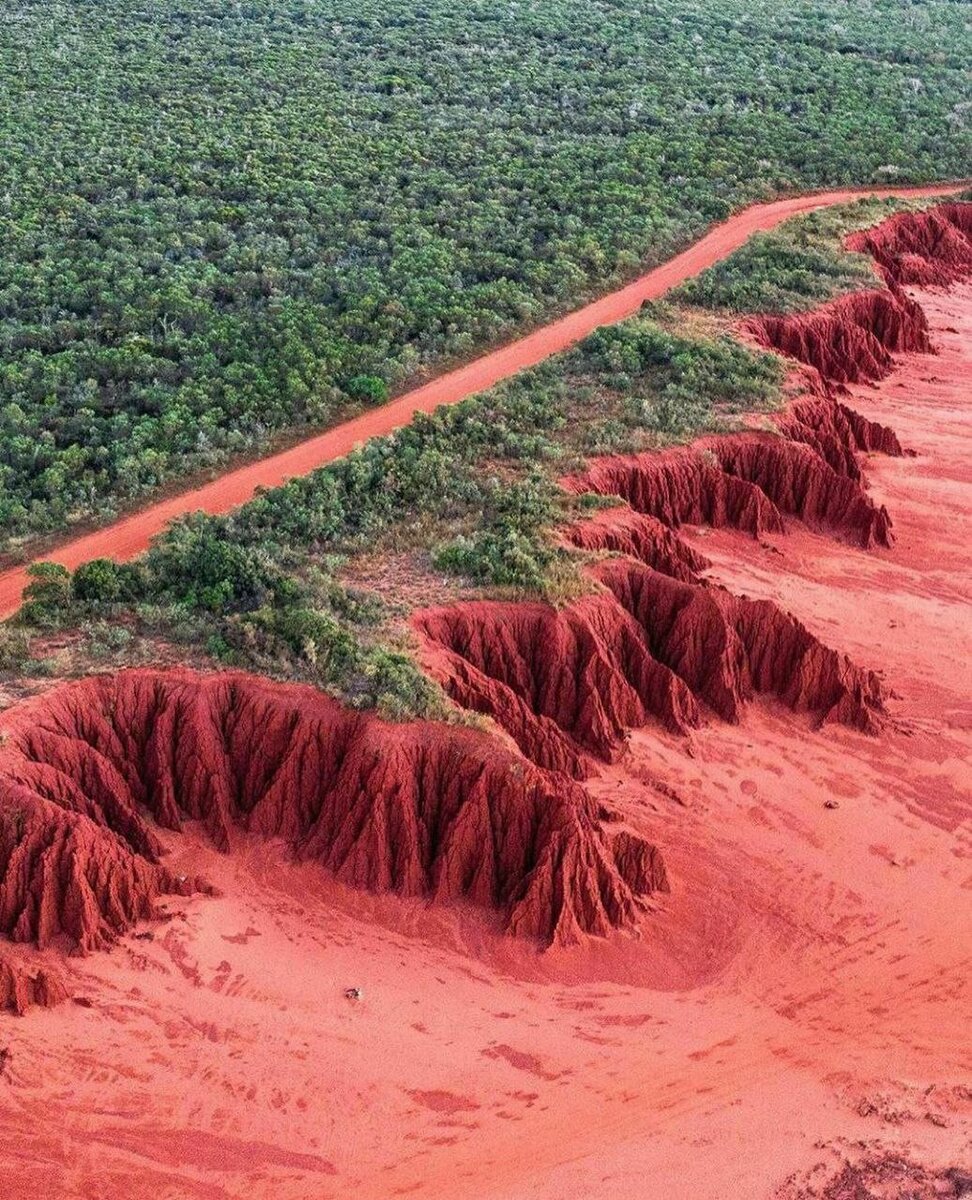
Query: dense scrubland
[[222, 222], [475, 484], [314, 580]]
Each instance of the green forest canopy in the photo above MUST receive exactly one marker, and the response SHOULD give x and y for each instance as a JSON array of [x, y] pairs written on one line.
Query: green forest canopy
[[223, 220]]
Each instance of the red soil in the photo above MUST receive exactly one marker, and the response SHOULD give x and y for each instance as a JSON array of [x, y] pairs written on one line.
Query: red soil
[[852, 339], [23, 985], [749, 481], [418, 809], [561, 682], [924, 249], [837, 433], [639, 536], [679, 488], [131, 536], [568, 682], [729, 649]]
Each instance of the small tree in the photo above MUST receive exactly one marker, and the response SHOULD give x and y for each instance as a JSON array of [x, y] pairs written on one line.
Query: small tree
[[97, 582]]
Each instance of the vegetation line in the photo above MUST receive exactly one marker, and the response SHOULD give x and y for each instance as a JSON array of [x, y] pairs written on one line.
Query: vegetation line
[[130, 536]]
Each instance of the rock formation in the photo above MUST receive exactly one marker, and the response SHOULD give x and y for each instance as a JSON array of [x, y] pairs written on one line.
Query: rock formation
[[852, 339], [90, 772], [622, 530], [561, 682], [23, 986], [837, 433], [567, 684], [926, 249], [749, 481]]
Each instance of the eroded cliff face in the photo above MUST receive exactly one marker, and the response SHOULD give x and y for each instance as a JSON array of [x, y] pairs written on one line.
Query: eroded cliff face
[[837, 433], [853, 339], [639, 536], [22, 986], [850, 340], [90, 772], [567, 684], [927, 249], [752, 481], [729, 649]]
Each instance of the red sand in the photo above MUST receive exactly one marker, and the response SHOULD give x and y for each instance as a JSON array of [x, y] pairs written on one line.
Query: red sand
[[799, 998], [131, 536]]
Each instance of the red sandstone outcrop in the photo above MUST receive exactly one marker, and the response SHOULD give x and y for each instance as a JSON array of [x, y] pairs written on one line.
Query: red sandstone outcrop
[[570, 682], [23, 986], [850, 340], [926, 249], [639, 536], [561, 682], [91, 771], [681, 487], [799, 482], [748, 481], [837, 433], [729, 649]]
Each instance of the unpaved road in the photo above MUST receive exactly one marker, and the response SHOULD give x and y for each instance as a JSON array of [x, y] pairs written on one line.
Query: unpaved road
[[131, 535]]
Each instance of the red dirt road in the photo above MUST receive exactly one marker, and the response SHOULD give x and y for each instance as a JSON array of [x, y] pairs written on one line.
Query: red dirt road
[[131, 536]]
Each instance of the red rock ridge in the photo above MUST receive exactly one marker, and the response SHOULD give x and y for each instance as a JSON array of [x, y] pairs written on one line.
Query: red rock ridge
[[729, 649], [837, 433], [563, 683], [569, 683], [849, 340], [23, 986], [622, 530], [88, 772], [748, 481], [926, 249], [852, 339], [681, 487]]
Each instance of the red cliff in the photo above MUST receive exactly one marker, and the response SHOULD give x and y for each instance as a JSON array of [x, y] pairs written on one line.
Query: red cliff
[[90, 772], [748, 481], [850, 340], [926, 249]]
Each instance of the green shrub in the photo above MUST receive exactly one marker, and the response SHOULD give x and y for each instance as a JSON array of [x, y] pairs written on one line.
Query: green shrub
[[14, 649], [796, 266], [104, 582], [197, 565], [367, 388], [47, 598]]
